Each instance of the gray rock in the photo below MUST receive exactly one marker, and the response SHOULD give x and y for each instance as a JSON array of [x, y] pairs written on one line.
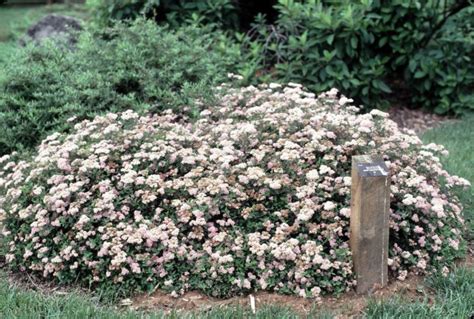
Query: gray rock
[[63, 29]]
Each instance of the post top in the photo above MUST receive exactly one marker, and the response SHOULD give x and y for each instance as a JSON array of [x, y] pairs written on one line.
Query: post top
[[370, 166]]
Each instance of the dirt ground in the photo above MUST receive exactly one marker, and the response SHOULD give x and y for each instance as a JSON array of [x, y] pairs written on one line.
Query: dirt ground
[[348, 305], [416, 119]]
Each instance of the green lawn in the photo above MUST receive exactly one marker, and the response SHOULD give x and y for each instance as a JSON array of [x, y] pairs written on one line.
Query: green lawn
[[22, 304], [453, 299], [15, 20]]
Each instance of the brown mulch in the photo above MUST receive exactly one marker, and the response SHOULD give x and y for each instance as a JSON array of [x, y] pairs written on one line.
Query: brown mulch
[[417, 120]]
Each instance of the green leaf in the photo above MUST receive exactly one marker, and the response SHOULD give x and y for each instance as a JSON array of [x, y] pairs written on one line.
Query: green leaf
[[383, 41], [354, 42], [330, 39], [384, 87], [419, 74], [304, 38]]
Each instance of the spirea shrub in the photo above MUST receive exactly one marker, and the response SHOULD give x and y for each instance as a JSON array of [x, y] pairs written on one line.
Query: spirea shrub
[[255, 195]]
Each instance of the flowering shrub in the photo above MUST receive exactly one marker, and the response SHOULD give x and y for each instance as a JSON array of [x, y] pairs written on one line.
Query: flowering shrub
[[253, 195]]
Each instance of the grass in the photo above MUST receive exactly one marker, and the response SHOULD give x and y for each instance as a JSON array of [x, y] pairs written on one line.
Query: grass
[[14, 20], [16, 302], [453, 299]]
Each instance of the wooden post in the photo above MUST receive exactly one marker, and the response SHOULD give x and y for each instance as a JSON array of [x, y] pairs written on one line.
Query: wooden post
[[370, 207]]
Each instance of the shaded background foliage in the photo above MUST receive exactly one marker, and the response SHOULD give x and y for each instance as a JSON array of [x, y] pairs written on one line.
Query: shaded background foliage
[[228, 14], [370, 49]]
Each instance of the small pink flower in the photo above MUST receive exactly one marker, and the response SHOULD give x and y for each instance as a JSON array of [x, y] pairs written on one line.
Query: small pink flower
[[418, 230]]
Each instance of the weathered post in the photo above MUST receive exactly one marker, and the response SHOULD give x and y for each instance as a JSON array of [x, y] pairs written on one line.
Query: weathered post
[[370, 207]]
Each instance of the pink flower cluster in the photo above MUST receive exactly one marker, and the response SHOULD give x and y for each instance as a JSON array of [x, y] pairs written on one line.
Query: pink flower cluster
[[253, 195]]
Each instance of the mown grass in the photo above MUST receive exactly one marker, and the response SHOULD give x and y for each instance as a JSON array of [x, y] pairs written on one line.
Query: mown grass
[[15, 19], [16, 302], [453, 299]]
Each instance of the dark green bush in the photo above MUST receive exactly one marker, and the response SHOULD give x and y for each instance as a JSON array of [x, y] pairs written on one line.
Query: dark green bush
[[139, 67], [442, 74], [227, 14], [220, 12], [368, 49], [430, 47], [323, 47]]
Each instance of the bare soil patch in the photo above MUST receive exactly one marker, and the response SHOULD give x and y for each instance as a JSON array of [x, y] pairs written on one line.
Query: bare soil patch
[[348, 305]]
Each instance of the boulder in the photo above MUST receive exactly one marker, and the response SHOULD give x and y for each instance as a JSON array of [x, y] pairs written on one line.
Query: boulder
[[64, 29]]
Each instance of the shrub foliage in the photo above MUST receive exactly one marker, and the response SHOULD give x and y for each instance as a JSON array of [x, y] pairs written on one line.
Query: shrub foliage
[[372, 50], [254, 195], [369, 49], [442, 73], [227, 14], [139, 67], [324, 47]]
